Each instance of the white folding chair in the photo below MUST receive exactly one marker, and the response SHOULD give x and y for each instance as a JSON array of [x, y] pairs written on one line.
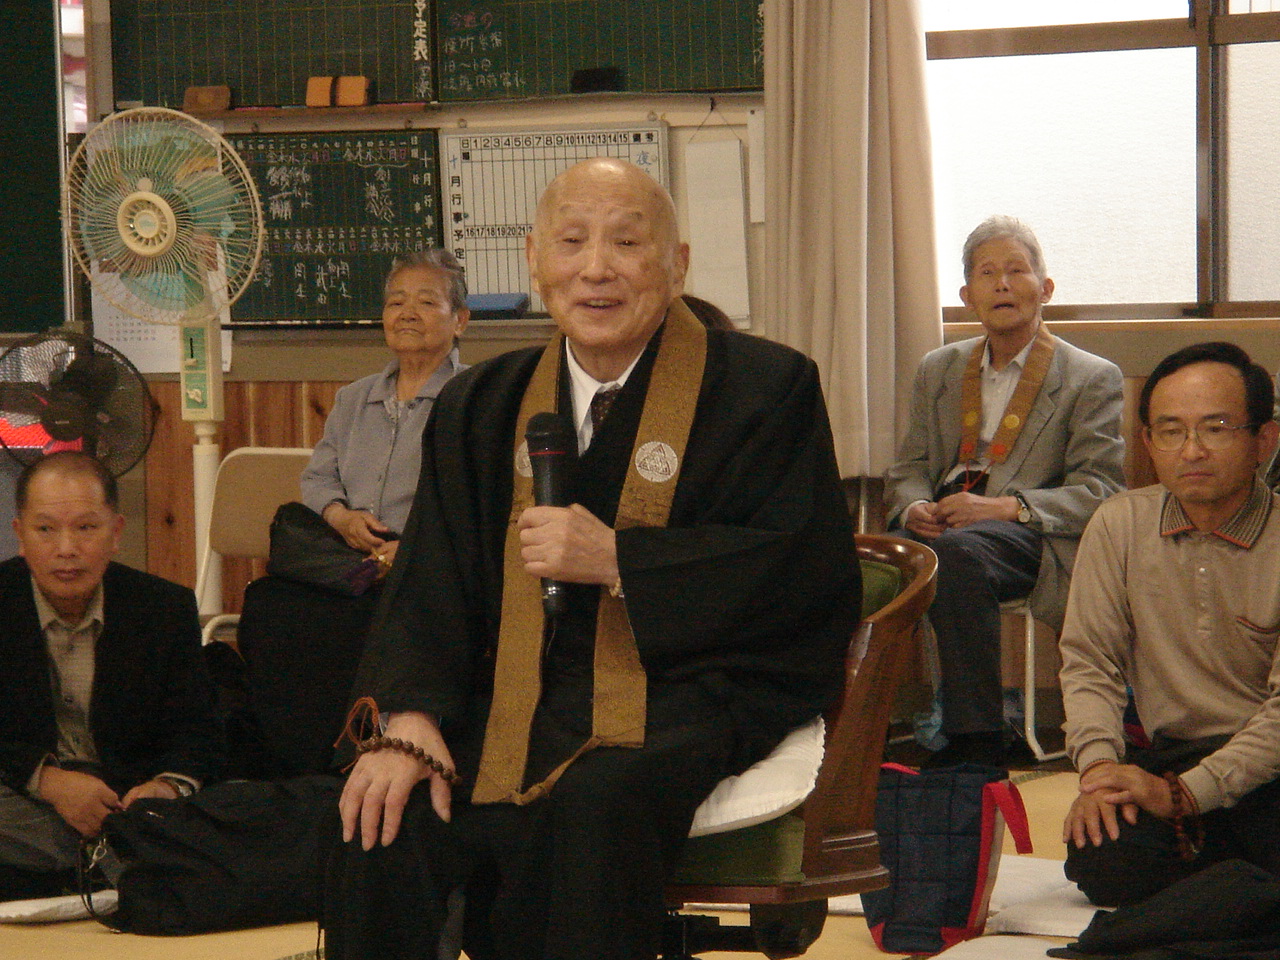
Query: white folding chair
[[251, 485]]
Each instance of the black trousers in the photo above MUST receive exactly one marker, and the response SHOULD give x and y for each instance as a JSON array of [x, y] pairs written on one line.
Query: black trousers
[[577, 875], [1145, 859], [979, 567]]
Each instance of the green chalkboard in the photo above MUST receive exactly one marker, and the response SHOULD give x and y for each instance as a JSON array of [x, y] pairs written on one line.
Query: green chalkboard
[[420, 50], [503, 49], [265, 50], [31, 267], [337, 207]]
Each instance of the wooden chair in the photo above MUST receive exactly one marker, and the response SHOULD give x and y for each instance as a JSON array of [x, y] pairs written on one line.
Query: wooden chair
[[788, 867], [251, 485]]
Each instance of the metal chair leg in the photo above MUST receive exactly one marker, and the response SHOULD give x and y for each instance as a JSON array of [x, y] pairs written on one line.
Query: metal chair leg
[[1029, 689]]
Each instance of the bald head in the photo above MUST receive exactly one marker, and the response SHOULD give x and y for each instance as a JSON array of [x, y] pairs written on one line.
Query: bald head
[[606, 258], [610, 176]]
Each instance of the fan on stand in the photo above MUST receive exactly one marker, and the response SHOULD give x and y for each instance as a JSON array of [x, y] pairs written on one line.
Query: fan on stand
[[64, 391], [164, 218]]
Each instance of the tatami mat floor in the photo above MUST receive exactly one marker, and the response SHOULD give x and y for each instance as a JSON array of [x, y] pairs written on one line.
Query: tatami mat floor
[[1047, 795]]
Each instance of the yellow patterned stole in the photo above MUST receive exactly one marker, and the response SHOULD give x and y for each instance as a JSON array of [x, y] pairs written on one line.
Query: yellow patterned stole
[[1015, 411], [619, 691]]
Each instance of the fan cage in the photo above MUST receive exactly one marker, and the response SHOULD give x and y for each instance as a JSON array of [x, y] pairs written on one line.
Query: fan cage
[[163, 216], [34, 370]]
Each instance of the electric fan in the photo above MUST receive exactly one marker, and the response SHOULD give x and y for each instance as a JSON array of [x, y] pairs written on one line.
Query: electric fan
[[64, 391], [164, 218]]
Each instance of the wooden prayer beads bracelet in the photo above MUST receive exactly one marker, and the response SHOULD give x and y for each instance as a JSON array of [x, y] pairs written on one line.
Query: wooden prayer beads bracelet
[[1189, 846], [412, 749]]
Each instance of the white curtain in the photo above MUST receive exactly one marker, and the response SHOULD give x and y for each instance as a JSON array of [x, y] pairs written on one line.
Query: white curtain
[[850, 273]]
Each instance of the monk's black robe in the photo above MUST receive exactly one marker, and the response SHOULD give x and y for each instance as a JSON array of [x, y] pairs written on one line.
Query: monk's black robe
[[742, 609]]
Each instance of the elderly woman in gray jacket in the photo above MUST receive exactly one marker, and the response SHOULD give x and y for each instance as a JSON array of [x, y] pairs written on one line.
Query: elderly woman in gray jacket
[[364, 471]]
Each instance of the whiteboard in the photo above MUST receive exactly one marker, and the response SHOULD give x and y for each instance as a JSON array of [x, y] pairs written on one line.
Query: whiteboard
[[491, 181]]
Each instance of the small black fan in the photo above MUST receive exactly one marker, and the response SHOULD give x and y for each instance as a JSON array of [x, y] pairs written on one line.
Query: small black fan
[[64, 391]]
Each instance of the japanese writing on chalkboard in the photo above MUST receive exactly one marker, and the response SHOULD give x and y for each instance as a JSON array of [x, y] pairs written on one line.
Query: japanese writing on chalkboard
[[338, 207], [505, 49]]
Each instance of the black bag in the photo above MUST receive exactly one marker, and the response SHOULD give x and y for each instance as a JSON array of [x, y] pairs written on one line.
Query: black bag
[[940, 835], [301, 647], [306, 549], [237, 854]]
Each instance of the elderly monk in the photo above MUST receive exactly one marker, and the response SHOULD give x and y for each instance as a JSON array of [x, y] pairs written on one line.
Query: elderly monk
[[1014, 440], [552, 769]]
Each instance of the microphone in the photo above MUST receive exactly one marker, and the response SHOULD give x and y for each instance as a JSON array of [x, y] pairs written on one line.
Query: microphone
[[553, 446]]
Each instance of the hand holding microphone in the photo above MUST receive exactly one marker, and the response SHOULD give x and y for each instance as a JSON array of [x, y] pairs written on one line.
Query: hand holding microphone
[[553, 447], [561, 544]]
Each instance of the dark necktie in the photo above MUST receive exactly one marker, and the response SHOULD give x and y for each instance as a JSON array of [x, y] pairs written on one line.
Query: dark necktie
[[600, 405]]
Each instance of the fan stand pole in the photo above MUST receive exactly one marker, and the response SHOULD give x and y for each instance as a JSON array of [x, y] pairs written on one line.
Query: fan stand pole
[[201, 387], [205, 457]]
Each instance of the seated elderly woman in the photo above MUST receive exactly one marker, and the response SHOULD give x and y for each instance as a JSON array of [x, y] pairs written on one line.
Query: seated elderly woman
[[364, 470]]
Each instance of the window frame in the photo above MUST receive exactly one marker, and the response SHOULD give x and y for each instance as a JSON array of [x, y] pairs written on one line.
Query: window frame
[[1210, 30]]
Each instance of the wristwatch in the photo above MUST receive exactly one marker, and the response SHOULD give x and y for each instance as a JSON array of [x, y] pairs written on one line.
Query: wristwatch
[[1024, 510], [184, 788]]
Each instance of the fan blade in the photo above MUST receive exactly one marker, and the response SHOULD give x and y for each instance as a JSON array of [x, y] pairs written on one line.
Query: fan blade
[[174, 290], [27, 399], [209, 199], [91, 377]]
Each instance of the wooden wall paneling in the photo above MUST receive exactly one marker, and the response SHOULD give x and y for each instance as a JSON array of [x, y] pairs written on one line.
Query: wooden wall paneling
[[237, 427], [275, 414], [317, 403], [1138, 469], [234, 432], [170, 516]]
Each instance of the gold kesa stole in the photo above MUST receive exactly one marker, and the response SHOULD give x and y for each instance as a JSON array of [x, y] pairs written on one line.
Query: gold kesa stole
[[1015, 411], [619, 693]]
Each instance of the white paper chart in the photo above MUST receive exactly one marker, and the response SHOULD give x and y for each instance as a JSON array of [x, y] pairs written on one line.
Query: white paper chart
[[491, 181]]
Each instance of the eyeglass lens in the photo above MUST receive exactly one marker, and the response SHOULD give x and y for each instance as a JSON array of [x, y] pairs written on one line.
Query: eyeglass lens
[[1211, 434]]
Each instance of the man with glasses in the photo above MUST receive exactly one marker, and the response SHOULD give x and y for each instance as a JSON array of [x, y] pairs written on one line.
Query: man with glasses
[[1176, 594], [1014, 440]]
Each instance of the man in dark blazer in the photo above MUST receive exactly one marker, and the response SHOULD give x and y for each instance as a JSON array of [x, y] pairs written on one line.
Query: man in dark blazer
[[1014, 440], [104, 695]]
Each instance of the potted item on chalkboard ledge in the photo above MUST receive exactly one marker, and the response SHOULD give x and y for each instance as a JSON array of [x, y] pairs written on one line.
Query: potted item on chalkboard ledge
[[215, 99], [339, 92], [597, 80]]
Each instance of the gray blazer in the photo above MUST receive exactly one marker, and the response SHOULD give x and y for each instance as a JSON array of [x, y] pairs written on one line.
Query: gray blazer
[[1068, 458]]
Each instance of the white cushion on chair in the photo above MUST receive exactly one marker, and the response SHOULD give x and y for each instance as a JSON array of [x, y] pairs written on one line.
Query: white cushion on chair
[[777, 784]]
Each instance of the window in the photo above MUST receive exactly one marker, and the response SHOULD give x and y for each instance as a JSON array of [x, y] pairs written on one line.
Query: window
[[1138, 144], [73, 65]]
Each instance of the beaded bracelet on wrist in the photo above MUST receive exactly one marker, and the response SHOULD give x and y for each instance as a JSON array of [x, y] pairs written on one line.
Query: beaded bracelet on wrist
[[412, 749], [363, 717], [1189, 845]]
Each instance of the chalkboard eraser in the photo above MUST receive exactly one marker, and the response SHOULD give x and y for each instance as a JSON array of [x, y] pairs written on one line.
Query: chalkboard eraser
[[351, 92], [206, 99], [596, 79], [320, 91], [497, 306]]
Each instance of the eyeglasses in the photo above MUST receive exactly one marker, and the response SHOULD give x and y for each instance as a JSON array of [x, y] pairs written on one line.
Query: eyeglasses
[[1210, 434]]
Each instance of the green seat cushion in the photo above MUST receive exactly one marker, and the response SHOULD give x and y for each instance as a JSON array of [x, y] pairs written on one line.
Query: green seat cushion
[[881, 582], [765, 854]]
